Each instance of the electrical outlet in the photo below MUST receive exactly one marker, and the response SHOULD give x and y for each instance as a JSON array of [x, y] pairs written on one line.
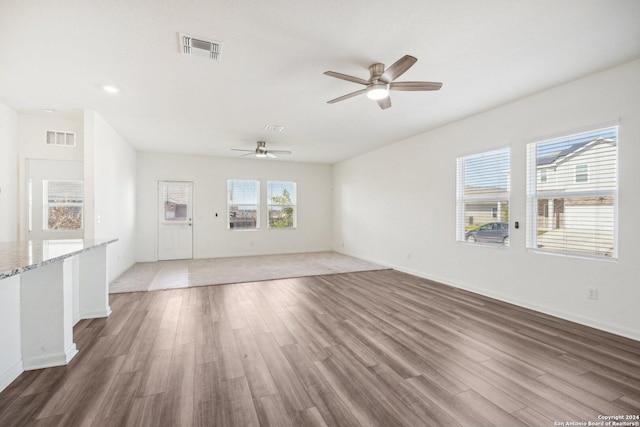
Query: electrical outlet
[[408, 255], [593, 293]]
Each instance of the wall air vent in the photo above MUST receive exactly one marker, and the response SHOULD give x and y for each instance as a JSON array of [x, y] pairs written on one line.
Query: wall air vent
[[67, 139], [197, 46]]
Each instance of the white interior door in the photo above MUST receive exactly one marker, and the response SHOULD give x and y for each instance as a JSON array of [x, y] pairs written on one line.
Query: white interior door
[[175, 225]]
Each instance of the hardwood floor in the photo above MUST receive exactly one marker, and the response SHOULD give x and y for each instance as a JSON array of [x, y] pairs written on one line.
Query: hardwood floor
[[372, 348]]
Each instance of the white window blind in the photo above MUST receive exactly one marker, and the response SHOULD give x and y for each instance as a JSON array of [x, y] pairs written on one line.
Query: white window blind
[[243, 203], [281, 204], [482, 197], [573, 209], [176, 203]]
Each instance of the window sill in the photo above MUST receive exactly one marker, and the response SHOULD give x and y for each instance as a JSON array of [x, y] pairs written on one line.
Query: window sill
[[484, 245], [540, 251]]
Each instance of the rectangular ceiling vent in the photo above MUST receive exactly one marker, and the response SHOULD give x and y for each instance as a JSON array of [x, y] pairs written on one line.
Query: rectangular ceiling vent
[[197, 46]]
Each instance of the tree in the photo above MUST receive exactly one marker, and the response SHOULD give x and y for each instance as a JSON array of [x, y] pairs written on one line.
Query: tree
[[282, 215], [505, 213]]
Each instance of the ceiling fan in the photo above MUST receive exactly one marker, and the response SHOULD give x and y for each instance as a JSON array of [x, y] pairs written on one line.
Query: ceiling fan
[[382, 81], [261, 151]]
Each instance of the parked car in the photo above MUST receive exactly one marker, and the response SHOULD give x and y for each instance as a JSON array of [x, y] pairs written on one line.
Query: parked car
[[492, 232]]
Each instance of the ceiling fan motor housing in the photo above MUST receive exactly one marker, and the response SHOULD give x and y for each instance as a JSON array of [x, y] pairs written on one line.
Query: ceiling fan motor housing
[[376, 70]]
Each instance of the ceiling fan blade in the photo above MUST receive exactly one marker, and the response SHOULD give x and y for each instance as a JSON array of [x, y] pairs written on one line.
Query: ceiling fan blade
[[347, 96], [270, 155], [384, 103], [415, 86], [279, 152], [253, 153], [240, 149], [398, 68], [346, 77]]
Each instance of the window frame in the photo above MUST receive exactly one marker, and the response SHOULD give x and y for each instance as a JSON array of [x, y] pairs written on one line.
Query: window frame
[[294, 204], [462, 200], [46, 205], [543, 175], [582, 176], [533, 195], [257, 205]]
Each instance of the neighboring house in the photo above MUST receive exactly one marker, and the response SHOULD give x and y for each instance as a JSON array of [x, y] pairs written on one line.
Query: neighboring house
[[579, 213], [175, 210], [573, 170], [175, 203], [481, 212]]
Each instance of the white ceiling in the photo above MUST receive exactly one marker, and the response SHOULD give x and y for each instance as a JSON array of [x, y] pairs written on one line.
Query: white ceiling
[[58, 54]]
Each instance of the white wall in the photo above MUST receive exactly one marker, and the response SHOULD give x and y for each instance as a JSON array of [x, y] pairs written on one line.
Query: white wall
[[8, 174], [10, 334], [210, 174], [397, 205], [110, 191], [32, 136]]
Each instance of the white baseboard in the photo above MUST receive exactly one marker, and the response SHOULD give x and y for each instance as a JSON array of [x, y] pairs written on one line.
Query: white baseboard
[[95, 314], [627, 333], [8, 376], [51, 360]]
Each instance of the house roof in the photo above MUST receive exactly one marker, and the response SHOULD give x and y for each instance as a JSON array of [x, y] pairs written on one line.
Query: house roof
[[556, 157]]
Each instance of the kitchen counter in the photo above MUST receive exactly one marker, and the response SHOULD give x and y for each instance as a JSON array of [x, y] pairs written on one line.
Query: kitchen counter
[[18, 257]]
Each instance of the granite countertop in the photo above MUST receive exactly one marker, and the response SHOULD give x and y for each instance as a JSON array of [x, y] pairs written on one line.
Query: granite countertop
[[18, 257]]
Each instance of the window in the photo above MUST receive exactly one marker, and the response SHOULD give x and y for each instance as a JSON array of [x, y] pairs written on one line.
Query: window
[[243, 204], [543, 175], [574, 211], [176, 203], [483, 198], [582, 173], [63, 201], [281, 204]]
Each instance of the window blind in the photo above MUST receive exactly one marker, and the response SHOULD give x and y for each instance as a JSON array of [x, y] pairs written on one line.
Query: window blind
[[243, 204], [482, 205], [572, 194]]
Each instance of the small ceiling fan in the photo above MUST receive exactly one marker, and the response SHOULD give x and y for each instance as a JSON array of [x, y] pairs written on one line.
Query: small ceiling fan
[[382, 81], [261, 151]]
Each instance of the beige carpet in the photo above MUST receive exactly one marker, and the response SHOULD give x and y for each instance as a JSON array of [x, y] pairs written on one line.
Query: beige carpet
[[149, 276]]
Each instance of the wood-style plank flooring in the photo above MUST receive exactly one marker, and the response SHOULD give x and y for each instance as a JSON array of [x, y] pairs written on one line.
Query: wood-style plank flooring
[[371, 348]]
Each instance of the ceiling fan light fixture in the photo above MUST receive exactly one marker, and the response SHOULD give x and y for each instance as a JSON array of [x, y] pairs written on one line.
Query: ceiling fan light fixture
[[378, 91], [261, 154]]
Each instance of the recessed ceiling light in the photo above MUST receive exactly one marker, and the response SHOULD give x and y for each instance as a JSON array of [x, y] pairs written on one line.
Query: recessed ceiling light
[[276, 128], [49, 110], [110, 89]]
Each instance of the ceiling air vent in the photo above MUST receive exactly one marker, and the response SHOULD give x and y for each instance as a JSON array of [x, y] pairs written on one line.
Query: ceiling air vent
[[197, 46]]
